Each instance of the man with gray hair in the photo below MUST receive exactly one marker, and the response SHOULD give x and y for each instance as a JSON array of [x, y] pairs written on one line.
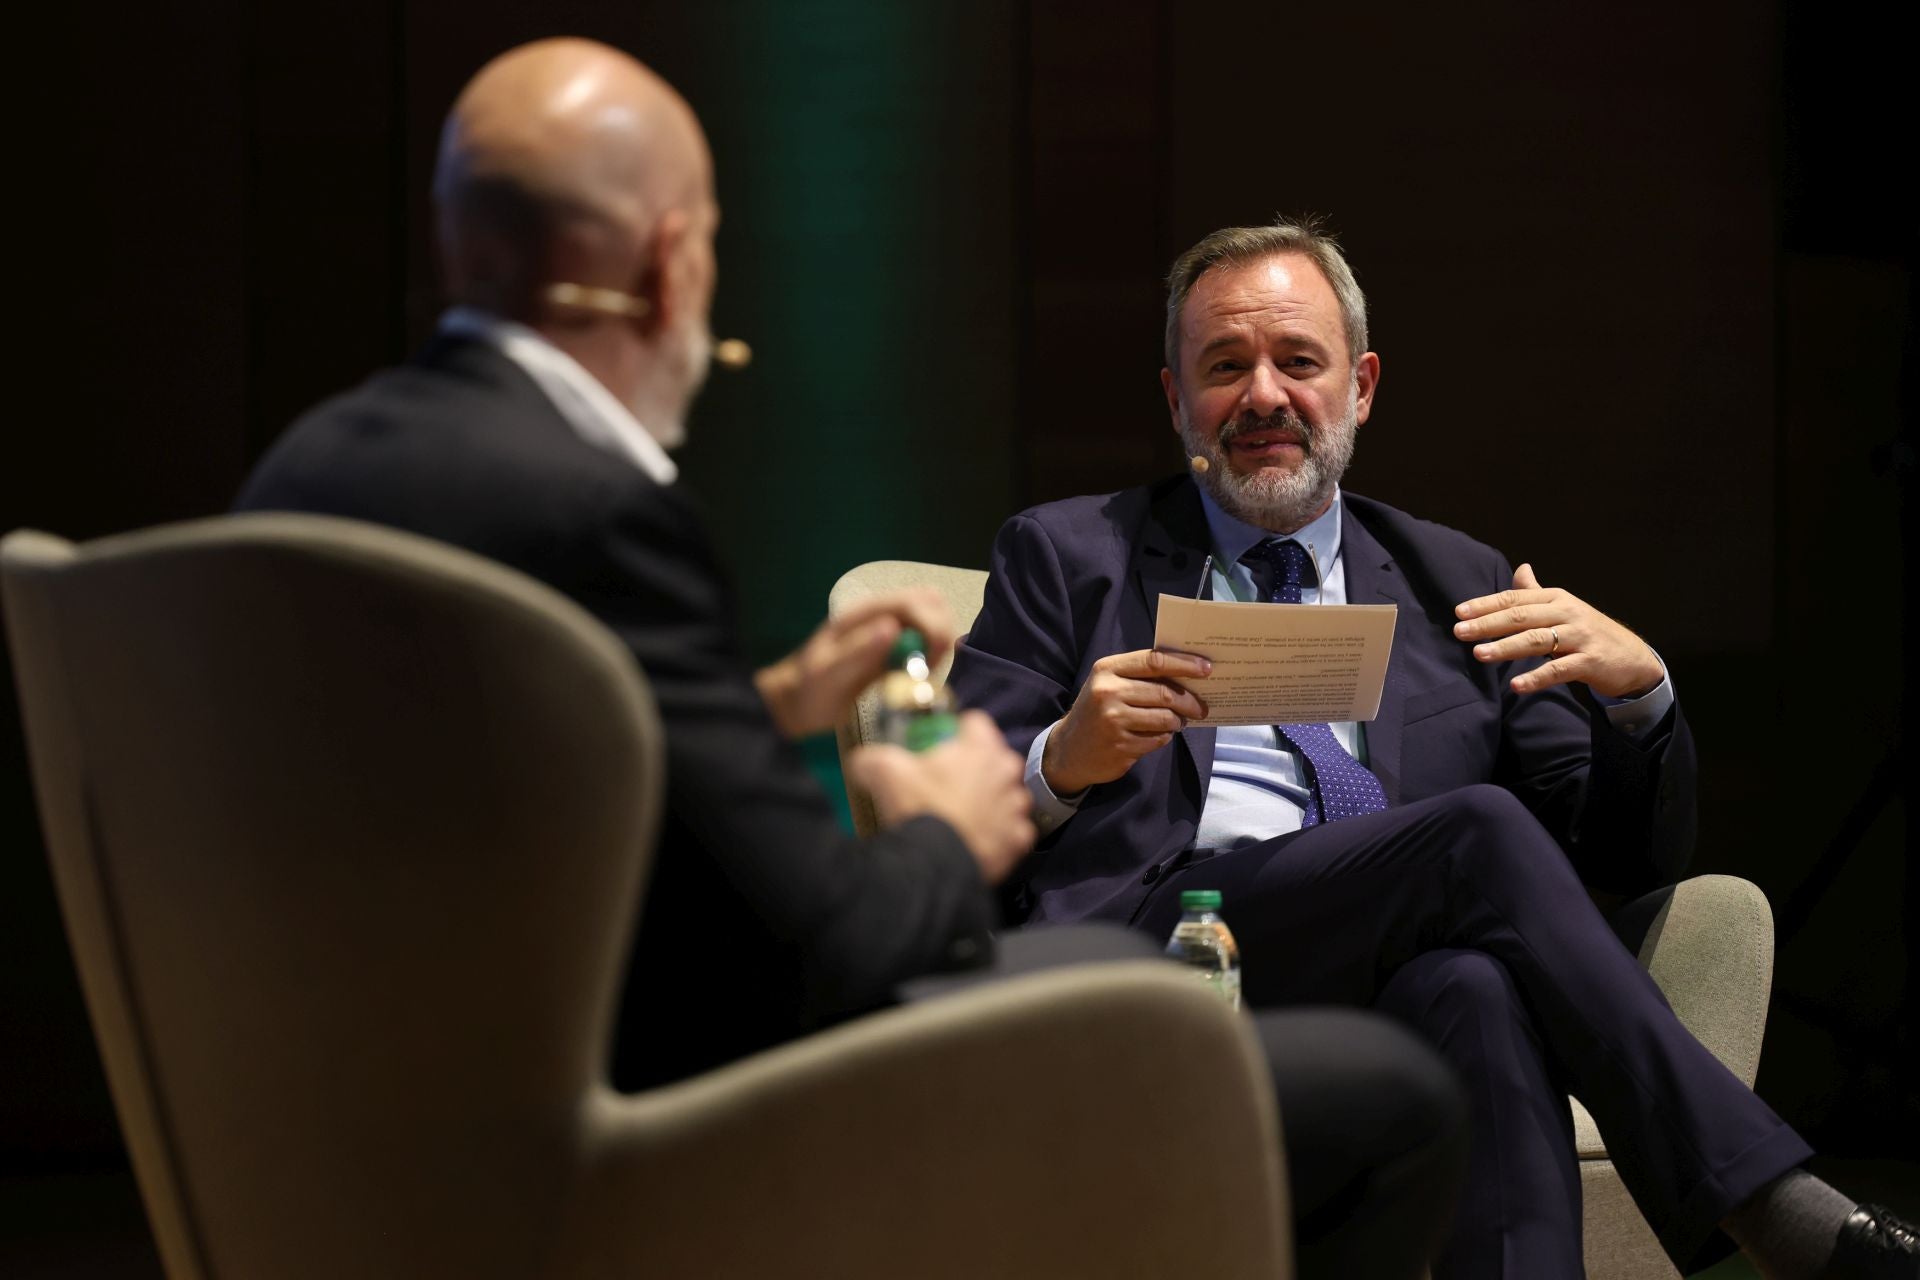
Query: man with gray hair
[[1430, 863]]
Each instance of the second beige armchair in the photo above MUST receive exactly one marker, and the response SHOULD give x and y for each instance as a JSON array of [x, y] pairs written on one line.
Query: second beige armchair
[[1710, 949]]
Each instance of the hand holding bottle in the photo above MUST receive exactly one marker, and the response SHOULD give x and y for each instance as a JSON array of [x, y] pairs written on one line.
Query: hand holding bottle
[[975, 782], [811, 689]]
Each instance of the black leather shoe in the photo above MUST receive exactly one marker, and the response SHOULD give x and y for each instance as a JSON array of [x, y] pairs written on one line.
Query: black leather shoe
[[1875, 1245]]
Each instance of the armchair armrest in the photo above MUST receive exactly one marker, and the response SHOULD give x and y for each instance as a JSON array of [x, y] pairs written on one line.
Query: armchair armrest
[[1098, 1121], [1710, 949]]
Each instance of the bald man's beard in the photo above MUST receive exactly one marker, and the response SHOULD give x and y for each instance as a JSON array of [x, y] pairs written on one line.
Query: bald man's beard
[[1274, 498], [681, 370]]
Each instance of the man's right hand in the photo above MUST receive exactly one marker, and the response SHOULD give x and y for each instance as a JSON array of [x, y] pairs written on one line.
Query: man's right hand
[[973, 780], [810, 689], [1130, 706]]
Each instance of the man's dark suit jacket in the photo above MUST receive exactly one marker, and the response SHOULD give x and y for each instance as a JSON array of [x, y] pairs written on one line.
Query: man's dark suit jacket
[[1075, 581], [763, 918]]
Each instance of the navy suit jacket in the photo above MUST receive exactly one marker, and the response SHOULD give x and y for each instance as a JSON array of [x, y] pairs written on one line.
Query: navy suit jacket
[[1075, 581], [763, 917]]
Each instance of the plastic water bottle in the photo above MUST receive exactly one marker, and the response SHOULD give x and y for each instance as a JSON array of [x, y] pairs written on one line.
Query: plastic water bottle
[[1201, 939], [913, 712]]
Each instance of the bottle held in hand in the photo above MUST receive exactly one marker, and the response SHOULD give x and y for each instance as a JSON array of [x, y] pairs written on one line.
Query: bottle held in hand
[[913, 712], [1202, 940]]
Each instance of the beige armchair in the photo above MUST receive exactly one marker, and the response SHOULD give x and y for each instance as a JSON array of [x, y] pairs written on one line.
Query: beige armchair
[[349, 830], [1710, 949]]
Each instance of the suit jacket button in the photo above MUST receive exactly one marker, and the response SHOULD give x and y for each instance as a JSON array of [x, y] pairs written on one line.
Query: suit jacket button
[[1153, 873]]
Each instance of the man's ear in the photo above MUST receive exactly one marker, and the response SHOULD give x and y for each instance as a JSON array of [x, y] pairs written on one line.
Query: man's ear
[[663, 277], [1366, 377], [1171, 385]]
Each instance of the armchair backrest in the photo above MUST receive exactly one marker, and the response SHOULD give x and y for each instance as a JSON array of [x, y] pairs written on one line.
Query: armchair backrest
[[349, 830]]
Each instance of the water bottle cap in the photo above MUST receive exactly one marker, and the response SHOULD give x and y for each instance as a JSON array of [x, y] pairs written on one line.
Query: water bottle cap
[[909, 643], [1199, 899]]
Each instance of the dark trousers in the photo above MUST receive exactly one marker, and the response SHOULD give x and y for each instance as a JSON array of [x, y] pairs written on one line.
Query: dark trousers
[[1462, 916], [1374, 1125]]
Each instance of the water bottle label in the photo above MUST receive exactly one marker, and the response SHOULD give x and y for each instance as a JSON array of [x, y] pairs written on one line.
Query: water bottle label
[[930, 730]]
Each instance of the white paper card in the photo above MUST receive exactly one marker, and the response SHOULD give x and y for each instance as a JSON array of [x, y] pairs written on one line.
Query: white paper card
[[1282, 663]]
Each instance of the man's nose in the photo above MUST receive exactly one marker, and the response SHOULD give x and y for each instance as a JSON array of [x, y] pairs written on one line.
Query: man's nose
[[1266, 390]]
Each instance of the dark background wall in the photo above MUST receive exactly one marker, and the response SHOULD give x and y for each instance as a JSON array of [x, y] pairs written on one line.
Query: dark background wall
[[1641, 282]]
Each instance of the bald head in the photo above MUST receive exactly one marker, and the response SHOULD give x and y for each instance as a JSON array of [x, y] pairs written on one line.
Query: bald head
[[560, 161], [567, 163]]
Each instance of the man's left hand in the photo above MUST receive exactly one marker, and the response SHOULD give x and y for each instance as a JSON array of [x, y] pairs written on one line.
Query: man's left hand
[[1579, 642], [811, 689]]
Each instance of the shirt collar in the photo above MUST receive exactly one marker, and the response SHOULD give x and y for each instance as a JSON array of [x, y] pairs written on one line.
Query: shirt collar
[[588, 407], [1234, 537]]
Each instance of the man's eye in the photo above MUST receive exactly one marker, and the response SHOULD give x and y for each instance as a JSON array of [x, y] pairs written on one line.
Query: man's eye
[[1226, 366]]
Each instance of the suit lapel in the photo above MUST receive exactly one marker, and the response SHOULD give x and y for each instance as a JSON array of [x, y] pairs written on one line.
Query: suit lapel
[[1373, 578], [1167, 560]]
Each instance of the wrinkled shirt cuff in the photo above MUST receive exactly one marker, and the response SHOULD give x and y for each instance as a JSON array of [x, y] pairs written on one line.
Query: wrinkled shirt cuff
[[1050, 810], [1637, 717]]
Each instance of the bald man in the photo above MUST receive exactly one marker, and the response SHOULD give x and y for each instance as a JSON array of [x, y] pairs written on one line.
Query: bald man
[[576, 219], [576, 208]]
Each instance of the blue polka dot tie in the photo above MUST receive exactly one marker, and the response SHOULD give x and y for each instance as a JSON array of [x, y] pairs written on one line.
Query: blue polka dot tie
[[1342, 787]]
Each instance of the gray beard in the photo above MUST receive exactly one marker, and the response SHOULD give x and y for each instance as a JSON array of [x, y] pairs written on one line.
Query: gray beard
[[662, 409], [1271, 498]]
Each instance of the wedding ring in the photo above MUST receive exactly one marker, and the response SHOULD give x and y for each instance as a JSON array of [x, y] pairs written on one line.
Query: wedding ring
[[1556, 641]]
